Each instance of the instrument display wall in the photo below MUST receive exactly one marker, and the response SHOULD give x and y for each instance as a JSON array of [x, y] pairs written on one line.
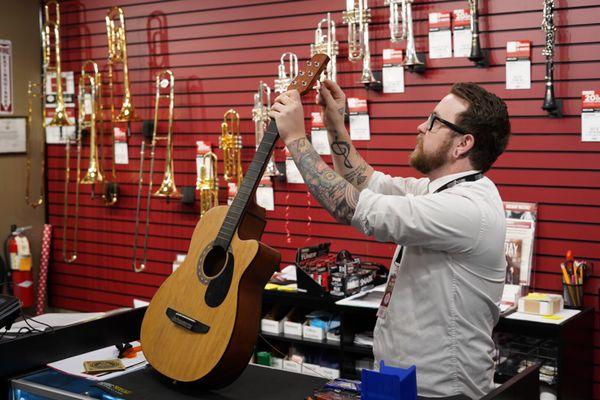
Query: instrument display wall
[[220, 50]]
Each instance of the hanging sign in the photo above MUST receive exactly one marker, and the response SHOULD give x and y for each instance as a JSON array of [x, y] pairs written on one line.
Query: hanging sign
[[359, 119], [265, 197], [393, 71], [6, 78], [518, 64], [461, 27], [440, 37], [318, 134], [590, 116], [121, 149]]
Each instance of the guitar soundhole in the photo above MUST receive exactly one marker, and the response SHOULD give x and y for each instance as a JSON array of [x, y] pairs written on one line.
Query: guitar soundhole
[[214, 262]]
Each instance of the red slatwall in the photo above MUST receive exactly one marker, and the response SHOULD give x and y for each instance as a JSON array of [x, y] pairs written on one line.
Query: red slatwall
[[219, 50]]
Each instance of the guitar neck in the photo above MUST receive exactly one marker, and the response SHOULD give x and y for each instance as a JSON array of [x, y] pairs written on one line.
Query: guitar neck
[[249, 185]]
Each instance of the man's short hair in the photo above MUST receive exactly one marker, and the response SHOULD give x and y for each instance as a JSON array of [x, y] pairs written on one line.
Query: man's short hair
[[487, 120]]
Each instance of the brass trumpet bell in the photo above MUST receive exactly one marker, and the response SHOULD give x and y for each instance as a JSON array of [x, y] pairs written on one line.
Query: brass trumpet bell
[[60, 117], [167, 187], [127, 112], [93, 174]]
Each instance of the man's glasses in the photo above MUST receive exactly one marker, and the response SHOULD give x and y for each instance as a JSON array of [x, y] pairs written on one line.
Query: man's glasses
[[433, 118]]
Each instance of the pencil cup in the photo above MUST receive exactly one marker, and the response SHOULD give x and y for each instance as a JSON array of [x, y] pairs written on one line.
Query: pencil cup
[[573, 295]]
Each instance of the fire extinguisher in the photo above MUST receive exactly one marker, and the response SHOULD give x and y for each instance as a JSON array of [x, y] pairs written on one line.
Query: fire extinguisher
[[18, 255]]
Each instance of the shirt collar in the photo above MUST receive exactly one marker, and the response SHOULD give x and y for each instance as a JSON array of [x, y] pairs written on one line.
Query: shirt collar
[[439, 182]]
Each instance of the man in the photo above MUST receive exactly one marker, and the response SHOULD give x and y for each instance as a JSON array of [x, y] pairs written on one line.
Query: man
[[447, 276]]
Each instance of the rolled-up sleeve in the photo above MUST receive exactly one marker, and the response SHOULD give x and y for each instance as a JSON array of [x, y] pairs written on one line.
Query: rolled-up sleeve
[[441, 221], [386, 184]]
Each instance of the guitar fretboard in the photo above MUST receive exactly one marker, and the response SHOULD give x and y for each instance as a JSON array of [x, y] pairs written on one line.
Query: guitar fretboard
[[249, 185]]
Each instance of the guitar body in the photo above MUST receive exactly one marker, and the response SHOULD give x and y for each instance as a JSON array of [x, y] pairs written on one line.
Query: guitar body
[[202, 323]]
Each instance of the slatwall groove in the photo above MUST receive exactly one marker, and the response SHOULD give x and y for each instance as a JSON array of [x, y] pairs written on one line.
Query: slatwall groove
[[220, 50]]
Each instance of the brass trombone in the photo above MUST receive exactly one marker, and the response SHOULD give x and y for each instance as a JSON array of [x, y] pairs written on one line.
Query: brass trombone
[[207, 182], [88, 101], [34, 91], [164, 81], [231, 144], [51, 40], [117, 54]]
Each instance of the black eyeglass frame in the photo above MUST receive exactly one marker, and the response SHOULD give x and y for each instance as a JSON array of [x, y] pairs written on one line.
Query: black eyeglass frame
[[455, 128]]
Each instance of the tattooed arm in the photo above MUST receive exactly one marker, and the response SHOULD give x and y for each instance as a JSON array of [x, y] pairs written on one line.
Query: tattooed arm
[[333, 192], [346, 160]]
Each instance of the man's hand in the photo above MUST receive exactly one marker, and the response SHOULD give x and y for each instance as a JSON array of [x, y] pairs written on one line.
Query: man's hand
[[333, 101], [289, 115]]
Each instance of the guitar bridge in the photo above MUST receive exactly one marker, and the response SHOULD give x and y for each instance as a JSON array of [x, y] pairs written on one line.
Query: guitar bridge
[[186, 322]]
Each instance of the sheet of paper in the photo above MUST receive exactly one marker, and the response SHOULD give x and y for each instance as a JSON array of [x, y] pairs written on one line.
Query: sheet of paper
[[393, 79], [55, 320], [369, 299], [518, 74], [74, 365]]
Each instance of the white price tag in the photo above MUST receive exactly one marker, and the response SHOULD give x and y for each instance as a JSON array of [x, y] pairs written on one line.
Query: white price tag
[[87, 103], [393, 79], [265, 197], [320, 141], [359, 127], [462, 43], [590, 126], [440, 44], [121, 153], [292, 173], [518, 74]]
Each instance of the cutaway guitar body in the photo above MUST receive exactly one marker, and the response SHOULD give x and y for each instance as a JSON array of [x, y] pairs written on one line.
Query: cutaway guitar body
[[202, 323]]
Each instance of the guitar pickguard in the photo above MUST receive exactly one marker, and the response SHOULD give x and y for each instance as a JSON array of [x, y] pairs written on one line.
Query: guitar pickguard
[[220, 283]]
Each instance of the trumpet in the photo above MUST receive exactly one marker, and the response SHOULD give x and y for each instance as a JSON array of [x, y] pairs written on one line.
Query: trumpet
[[260, 116], [231, 144], [326, 44], [88, 101], [398, 30], [411, 60], [35, 91], [358, 19], [164, 81], [117, 54], [207, 182], [285, 78], [51, 40]]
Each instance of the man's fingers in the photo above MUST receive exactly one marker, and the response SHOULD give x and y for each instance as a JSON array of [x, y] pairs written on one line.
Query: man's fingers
[[334, 88], [325, 95], [283, 98]]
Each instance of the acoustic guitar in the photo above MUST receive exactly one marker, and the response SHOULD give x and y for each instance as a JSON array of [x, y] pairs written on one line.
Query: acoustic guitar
[[202, 323]]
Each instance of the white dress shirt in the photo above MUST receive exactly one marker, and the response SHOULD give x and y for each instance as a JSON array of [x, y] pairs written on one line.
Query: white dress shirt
[[449, 269]]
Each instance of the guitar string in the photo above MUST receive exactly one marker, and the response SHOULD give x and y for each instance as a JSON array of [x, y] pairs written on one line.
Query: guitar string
[[285, 355]]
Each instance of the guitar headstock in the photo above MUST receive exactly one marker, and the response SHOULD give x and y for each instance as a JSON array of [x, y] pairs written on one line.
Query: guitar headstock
[[309, 74]]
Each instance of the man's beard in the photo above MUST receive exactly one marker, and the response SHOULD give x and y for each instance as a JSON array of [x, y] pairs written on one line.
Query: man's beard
[[425, 163]]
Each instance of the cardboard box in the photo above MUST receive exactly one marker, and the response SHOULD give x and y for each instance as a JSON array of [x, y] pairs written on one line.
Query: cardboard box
[[292, 323], [541, 303], [313, 332], [311, 369], [292, 366]]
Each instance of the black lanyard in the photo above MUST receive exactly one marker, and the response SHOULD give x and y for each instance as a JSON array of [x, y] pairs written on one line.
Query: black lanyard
[[468, 178]]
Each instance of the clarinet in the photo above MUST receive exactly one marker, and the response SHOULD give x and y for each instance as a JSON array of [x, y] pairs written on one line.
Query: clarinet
[[548, 51], [476, 54]]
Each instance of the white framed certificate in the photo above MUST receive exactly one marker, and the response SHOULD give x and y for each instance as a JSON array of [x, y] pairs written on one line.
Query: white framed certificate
[[13, 135]]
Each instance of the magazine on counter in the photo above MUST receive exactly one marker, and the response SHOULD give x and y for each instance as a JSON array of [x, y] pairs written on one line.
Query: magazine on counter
[[518, 245], [518, 249]]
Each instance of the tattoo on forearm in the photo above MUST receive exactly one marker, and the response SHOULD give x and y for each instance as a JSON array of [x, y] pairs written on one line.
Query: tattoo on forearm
[[341, 148], [341, 110], [334, 193], [357, 176]]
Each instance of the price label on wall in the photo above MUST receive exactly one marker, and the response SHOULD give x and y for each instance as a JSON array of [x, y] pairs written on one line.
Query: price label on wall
[[318, 134], [440, 37], [359, 119], [461, 32], [590, 116], [121, 149], [393, 72], [518, 64]]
